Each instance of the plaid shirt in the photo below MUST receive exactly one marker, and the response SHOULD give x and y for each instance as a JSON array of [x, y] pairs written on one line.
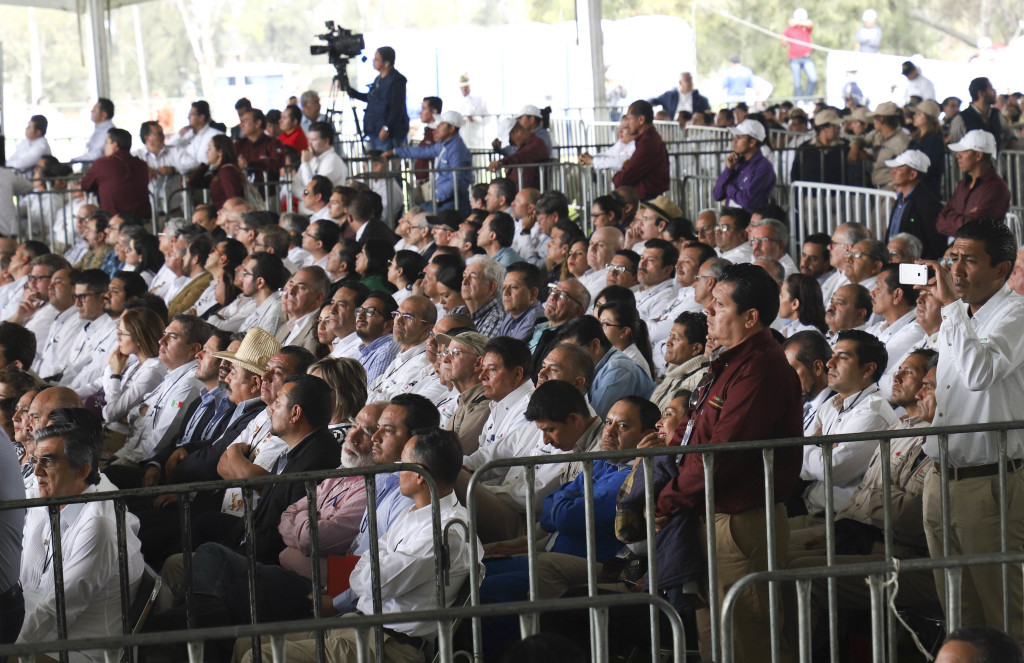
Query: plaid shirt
[[488, 318]]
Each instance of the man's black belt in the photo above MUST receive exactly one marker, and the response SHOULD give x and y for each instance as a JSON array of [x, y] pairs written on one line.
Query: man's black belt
[[979, 471], [405, 639]]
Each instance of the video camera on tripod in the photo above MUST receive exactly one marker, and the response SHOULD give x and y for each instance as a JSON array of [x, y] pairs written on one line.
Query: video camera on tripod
[[342, 45]]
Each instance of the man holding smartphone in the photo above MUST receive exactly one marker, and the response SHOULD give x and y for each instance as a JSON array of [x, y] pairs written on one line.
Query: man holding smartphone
[[979, 380], [749, 178]]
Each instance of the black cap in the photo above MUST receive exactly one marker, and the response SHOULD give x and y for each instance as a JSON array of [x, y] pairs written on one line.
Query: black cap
[[908, 67]]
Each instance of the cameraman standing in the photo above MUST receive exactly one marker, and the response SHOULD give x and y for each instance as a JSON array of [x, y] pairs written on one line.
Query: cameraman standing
[[385, 121]]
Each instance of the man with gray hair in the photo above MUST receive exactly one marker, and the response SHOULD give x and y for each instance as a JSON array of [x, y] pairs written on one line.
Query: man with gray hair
[[481, 289], [864, 262], [165, 276], [843, 238], [904, 247], [310, 104], [769, 238], [296, 224], [66, 464]]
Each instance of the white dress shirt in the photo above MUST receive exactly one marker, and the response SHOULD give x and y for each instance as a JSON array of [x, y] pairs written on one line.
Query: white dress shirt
[[347, 347], [512, 488], [176, 157], [328, 164], [506, 418], [788, 265], [121, 395], [300, 257], [194, 143], [11, 295], [232, 316], [94, 148], [652, 302], [40, 324], [90, 352], [407, 573], [264, 450], [865, 411], [92, 587], [595, 280], [811, 408], [741, 253], [266, 316], [403, 374], [27, 155], [899, 338], [165, 409], [616, 155], [831, 284], [980, 377], [208, 299], [296, 326]]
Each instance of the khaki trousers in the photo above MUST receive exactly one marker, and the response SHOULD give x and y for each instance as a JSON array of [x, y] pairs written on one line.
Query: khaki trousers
[[742, 549], [339, 647], [974, 517], [495, 521]]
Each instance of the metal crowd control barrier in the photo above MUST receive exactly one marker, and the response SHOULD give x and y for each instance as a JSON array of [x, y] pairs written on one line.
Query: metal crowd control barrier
[[816, 207], [767, 449], [248, 486]]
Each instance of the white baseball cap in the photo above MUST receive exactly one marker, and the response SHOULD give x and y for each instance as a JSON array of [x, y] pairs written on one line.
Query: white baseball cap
[[977, 140], [529, 109], [916, 159], [800, 14], [452, 118], [750, 128]]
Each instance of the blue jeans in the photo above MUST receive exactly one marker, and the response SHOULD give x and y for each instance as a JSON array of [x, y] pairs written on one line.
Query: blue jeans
[[796, 65]]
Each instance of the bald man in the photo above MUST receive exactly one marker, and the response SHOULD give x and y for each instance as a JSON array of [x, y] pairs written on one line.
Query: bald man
[[45, 403], [604, 242]]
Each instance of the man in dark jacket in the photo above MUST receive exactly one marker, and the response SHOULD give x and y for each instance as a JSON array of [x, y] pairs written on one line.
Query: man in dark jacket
[[120, 180], [684, 98], [749, 393], [917, 209], [647, 170], [386, 119]]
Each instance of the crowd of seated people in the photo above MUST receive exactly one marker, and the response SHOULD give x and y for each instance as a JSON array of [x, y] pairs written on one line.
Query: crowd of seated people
[[243, 343]]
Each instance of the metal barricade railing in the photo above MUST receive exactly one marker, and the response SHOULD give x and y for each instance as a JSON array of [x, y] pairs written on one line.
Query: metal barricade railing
[[196, 636], [816, 207], [767, 449], [248, 487]]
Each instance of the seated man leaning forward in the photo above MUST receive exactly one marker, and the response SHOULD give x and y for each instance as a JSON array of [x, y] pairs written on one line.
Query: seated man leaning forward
[[407, 564]]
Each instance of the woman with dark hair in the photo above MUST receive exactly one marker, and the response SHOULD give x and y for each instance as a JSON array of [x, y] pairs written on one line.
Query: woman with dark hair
[[927, 137], [449, 290], [627, 333], [223, 176], [614, 293], [404, 269], [606, 211], [142, 255], [679, 232], [372, 264], [800, 305], [124, 386], [575, 265], [225, 292]]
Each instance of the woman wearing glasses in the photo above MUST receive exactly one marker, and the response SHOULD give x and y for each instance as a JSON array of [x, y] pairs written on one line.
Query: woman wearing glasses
[[627, 333], [124, 386]]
